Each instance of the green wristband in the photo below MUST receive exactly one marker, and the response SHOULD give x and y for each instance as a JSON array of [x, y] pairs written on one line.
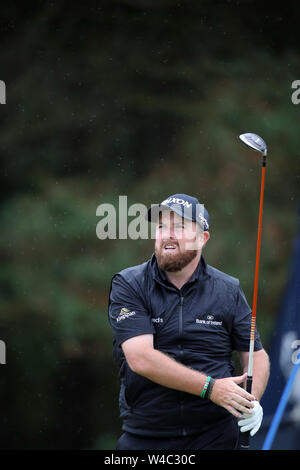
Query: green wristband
[[203, 393]]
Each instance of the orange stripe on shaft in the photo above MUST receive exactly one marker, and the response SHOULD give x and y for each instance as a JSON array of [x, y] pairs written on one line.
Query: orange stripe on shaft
[[255, 291]]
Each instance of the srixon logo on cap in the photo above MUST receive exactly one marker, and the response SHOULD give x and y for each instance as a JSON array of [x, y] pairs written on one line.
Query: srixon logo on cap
[[175, 200]]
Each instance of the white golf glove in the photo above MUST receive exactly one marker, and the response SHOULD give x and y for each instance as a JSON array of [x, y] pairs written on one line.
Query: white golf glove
[[251, 422]]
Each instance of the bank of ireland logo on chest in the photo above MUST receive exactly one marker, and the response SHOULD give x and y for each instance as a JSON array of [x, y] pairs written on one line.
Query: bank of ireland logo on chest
[[208, 319]]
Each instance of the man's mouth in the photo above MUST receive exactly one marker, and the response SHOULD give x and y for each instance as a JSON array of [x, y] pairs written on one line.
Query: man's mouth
[[170, 247]]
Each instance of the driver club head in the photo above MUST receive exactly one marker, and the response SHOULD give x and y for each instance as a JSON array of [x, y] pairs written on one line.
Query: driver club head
[[255, 142]]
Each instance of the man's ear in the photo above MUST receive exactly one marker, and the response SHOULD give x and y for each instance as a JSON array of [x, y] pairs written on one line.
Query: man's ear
[[206, 236]]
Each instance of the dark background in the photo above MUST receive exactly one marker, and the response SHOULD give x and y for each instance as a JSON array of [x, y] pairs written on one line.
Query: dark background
[[145, 99]]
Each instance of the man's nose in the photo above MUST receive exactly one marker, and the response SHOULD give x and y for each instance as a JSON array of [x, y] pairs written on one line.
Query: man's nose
[[170, 233]]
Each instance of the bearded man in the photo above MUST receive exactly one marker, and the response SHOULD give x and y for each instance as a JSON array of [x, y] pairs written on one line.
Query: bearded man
[[176, 322]]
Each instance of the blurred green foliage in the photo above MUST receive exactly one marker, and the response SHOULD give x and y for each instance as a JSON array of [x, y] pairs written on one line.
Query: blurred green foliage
[[145, 99]]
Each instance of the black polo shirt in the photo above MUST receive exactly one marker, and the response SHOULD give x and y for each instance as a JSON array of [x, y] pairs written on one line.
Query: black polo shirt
[[199, 325]]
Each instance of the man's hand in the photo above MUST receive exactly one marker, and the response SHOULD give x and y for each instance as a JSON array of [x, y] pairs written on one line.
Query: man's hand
[[229, 395], [252, 422]]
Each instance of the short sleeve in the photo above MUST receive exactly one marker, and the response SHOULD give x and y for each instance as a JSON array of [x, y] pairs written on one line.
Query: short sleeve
[[242, 325], [128, 316]]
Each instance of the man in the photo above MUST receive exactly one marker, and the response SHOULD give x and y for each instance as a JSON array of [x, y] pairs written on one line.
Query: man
[[176, 321]]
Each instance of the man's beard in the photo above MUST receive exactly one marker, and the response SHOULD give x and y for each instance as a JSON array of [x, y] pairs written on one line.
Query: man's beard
[[173, 263]]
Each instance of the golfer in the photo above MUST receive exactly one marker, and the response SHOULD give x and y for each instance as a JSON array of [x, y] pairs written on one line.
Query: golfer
[[176, 321]]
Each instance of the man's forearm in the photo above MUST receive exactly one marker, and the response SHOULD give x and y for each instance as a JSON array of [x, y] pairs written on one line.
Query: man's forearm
[[157, 366], [261, 372], [164, 370]]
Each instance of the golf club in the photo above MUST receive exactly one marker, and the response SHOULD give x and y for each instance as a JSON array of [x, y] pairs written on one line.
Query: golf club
[[257, 143]]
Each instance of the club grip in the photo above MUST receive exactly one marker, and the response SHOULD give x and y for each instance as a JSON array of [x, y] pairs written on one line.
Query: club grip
[[244, 440]]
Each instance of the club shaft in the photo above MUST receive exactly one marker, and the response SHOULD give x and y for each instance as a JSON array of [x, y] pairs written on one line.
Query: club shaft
[[255, 290], [245, 437]]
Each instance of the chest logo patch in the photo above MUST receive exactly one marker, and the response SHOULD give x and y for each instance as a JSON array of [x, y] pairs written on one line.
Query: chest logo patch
[[124, 313], [209, 320], [157, 320]]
